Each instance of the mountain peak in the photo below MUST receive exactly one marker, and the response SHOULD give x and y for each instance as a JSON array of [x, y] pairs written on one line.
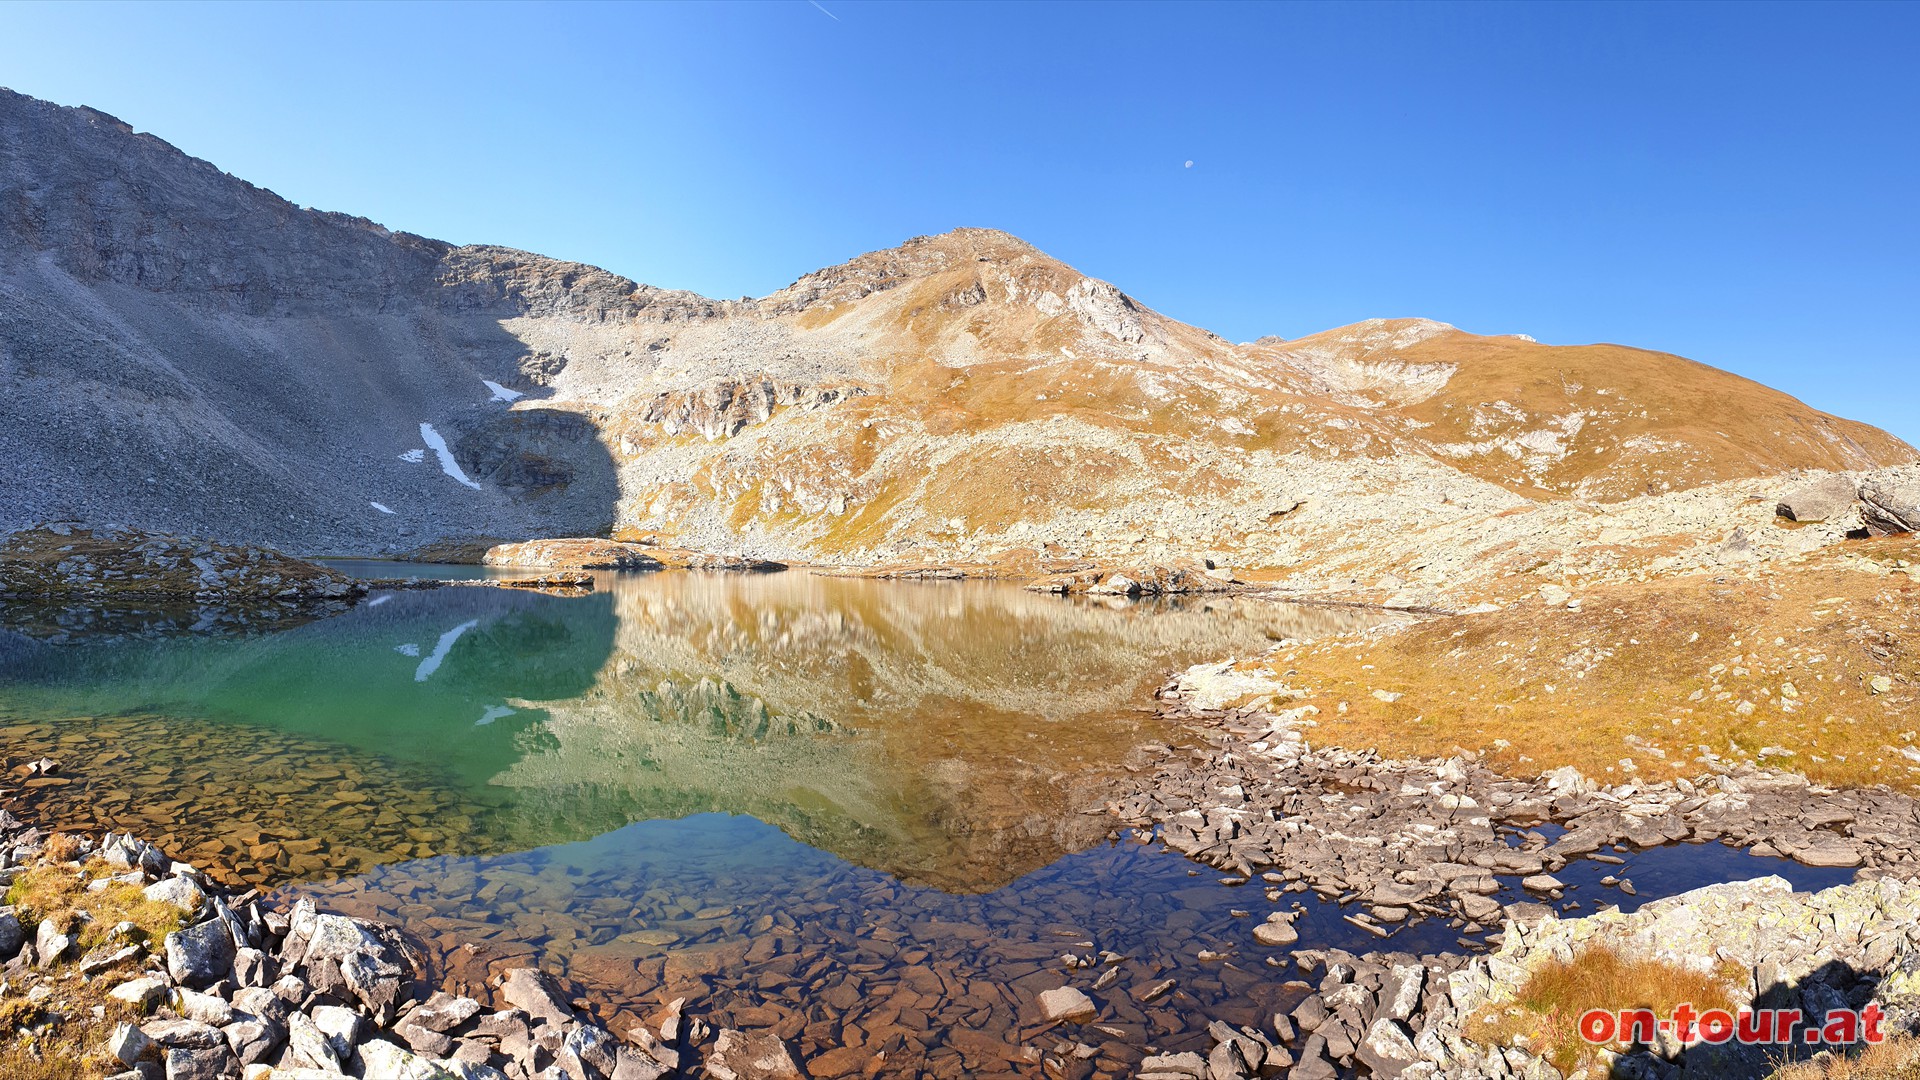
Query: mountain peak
[[959, 253]]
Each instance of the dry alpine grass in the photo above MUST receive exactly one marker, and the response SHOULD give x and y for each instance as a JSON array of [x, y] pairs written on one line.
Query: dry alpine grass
[[1813, 668], [1544, 1017], [1895, 1059]]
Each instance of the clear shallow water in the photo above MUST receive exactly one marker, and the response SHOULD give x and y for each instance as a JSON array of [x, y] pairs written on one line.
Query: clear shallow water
[[855, 811]]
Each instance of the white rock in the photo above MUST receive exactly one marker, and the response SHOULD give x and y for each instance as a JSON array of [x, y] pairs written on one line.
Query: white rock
[[128, 1043]]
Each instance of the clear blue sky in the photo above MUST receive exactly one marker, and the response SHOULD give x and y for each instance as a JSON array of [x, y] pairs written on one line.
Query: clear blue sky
[[1732, 182]]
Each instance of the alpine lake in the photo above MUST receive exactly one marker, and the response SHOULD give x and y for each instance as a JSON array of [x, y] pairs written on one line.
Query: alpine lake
[[868, 815]]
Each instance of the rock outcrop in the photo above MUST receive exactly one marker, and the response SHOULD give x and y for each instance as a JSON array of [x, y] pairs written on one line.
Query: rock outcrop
[[1830, 498], [1891, 499], [572, 554], [64, 562], [591, 554]]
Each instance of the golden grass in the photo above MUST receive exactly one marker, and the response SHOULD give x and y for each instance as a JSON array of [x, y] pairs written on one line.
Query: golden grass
[[1646, 679], [1895, 1059], [33, 1048], [1728, 426], [60, 893], [37, 1043], [1544, 1018]]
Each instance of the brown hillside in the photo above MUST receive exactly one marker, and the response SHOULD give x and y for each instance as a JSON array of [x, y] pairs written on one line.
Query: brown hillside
[[965, 395]]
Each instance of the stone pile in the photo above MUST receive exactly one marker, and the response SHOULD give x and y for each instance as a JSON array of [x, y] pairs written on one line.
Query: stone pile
[[241, 991]]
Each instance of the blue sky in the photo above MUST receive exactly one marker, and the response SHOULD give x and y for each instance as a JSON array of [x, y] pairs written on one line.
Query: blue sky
[[1731, 182]]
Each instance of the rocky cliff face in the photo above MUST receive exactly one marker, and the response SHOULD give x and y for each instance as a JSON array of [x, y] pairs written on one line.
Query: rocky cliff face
[[182, 350]]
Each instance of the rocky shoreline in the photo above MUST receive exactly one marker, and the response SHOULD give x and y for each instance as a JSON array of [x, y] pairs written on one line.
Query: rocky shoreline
[[239, 989], [1402, 841]]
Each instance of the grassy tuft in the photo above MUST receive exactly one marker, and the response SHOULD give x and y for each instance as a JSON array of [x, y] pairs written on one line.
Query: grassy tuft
[[1544, 1018], [60, 893], [1895, 1059]]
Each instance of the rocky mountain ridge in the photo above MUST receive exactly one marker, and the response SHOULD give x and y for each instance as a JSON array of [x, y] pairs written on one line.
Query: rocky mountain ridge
[[242, 368]]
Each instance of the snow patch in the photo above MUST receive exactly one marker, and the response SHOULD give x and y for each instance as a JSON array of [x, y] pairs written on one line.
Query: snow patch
[[501, 393], [409, 649], [440, 449], [440, 650], [379, 507], [414, 457], [381, 599]]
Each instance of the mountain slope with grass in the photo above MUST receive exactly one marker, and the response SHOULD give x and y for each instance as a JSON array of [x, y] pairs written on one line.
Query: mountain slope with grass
[[182, 350]]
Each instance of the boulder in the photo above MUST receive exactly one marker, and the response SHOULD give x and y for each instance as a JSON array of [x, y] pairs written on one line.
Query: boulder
[[1226, 1062], [461, 1069], [12, 936], [443, 1012], [1828, 849], [1277, 931], [1387, 1049], [1890, 500], [423, 1041], [751, 1055], [180, 892], [341, 1026], [637, 1065], [377, 982], [142, 993], [1187, 1066], [308, 1046], [200, 956], [536, 994], [1829, 498], [261, 1004], [105, 957], [253, 1041], [589, 1053], [1066, 1003], [212, 1063], [128, 1043], [208, 1009], [184, 1034], [1400, 996], [49, 944], [389, 1062], [251, 967]]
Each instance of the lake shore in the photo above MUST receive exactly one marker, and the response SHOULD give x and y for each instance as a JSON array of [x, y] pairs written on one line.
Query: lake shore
[[1251, 800], [120, 961]]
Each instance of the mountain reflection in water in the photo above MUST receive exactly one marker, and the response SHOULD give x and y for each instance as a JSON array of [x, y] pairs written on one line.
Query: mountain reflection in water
[[947, 734]]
